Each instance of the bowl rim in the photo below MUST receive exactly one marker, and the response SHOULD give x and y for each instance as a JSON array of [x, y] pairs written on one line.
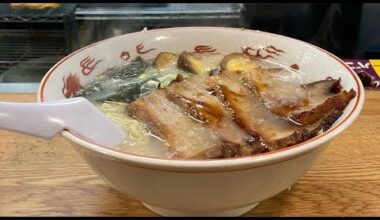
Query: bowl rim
[[215, 165]]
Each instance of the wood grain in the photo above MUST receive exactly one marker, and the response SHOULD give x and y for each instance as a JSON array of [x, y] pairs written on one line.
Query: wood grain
[[48, 178]]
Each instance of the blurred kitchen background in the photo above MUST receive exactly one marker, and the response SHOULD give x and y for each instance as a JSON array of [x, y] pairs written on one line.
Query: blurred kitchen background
[[34, 37]]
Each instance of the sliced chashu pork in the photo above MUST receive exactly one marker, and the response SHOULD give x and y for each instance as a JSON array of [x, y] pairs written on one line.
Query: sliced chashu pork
[[186, 138], [280, 94], [324, 96], [193, 98], [253, 116], [303, 104]]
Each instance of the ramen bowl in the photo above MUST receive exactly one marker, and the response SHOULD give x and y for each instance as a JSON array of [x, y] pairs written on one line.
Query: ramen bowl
[[224, 187]]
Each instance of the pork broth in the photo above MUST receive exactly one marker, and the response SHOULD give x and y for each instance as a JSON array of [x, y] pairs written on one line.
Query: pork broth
[[213, 105]]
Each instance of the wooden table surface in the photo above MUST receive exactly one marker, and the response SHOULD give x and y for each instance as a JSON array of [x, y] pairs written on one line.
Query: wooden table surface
[[48, 178]]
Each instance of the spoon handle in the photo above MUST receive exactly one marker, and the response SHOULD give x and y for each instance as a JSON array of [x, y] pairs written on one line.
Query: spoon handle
[[47, 119], [30, 118]]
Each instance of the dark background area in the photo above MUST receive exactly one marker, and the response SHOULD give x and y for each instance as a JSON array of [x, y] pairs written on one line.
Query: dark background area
[[341, 28]]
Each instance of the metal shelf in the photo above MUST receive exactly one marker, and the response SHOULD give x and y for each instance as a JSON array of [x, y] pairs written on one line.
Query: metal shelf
[[31, 41], [32, 52], [101, 21], [9, 14], [170, 11]]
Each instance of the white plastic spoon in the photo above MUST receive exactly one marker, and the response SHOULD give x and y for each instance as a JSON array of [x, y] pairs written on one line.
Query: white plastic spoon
[[47, 119]]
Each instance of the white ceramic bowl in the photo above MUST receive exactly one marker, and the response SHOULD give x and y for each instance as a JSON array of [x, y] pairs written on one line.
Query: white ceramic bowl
[[227, 187]]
